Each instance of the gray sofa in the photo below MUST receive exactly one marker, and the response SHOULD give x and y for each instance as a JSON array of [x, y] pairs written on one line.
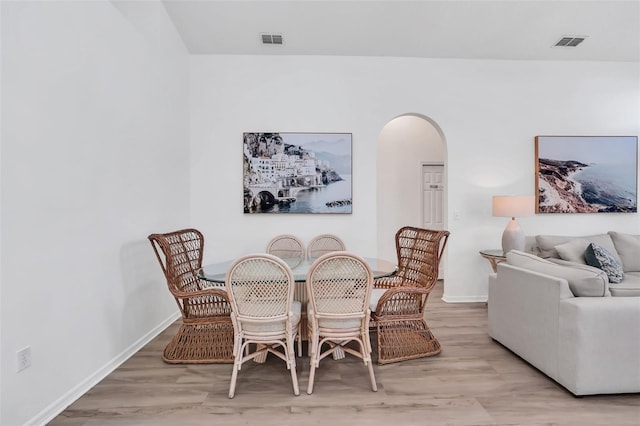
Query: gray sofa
[[565, 318]]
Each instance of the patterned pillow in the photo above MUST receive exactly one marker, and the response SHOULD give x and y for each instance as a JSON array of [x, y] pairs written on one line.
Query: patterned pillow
[[601, 258]]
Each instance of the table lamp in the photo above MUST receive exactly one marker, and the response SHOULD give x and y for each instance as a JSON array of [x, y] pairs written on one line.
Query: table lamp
[[513, 206]]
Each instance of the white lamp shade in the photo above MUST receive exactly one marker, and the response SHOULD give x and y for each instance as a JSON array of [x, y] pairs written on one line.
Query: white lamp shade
[[513, 205]]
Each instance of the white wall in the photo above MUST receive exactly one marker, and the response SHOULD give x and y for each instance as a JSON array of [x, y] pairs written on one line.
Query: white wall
[[94, 158], [405, 144], [489, 113]]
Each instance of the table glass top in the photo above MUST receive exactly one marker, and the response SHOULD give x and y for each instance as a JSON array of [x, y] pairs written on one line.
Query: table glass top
[[216, 272], [493, 253]]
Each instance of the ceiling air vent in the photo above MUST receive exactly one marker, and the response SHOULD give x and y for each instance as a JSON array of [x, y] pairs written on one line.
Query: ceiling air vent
[[271, 38], [569, 41]]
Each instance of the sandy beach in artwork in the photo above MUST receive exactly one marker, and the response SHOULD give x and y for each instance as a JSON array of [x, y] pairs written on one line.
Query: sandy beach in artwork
[[565, 187], [558, 192]]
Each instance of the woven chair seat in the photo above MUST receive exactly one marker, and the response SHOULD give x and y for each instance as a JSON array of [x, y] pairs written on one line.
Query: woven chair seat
[[261, 327], [339, 323]]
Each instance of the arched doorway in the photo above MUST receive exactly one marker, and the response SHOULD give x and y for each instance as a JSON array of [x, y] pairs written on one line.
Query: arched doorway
[[405, 145]]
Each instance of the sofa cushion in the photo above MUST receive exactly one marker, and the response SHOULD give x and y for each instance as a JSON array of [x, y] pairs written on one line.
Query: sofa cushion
[[584, 280], [629, 287], [547, 246], [628, 248], [601, 258], [573, 250]]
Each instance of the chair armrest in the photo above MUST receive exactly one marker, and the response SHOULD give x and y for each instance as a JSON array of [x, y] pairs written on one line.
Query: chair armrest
[[401, 301], [215, 292], [387, 282], [205, 303]]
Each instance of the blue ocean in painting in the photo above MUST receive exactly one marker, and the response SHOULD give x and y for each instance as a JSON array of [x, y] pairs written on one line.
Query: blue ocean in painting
[[314, 200], [613, 186]]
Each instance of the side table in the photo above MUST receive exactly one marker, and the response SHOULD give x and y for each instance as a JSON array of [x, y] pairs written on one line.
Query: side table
[[494, 256]]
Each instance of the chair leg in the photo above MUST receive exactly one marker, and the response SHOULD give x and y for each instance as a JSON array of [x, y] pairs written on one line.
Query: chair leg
[[312, 376], [367, 341], [313, 361], [365, 346], [232, 385], [374, 386], [237, 363], [290, 352], [294, 379]]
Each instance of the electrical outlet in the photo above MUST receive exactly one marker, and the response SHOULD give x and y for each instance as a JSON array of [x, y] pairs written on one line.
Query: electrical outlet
[[24, 358]]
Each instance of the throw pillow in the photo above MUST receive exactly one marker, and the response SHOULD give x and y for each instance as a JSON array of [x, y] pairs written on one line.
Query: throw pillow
[[628, 247], [573, 251], [600, 257], [547, 243]]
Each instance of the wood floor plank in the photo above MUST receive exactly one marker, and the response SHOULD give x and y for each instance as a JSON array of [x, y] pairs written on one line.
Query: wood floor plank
[[474, 381]]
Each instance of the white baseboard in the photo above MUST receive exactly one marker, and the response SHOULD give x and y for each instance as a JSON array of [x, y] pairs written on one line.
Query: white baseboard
[[465, 299], [57, 407]]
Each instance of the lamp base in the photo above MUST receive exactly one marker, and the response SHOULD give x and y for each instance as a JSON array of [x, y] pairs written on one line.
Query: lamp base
[[512, 237]]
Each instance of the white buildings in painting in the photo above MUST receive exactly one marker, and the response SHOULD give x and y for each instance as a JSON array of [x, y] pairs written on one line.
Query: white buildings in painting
[[306, 167], [281, 166]]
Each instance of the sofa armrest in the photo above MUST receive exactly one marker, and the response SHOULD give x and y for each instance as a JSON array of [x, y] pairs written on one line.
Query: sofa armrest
[[599, 345], [523, 314]]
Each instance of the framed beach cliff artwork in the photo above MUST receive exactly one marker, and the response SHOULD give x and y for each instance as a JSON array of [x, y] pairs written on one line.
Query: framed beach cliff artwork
[[297, 172], [586, 174]]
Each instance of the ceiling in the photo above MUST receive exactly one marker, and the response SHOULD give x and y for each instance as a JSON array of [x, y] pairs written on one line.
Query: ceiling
[[471, 29]]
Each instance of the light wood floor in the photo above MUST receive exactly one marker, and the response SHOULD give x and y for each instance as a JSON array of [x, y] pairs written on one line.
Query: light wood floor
[[474, 381]]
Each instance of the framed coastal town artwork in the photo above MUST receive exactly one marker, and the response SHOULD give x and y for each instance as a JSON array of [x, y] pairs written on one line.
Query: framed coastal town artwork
[[586, 174], [297, 172]]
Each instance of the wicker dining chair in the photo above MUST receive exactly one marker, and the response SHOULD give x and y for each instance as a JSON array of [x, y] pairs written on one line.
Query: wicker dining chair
[[339, 287], [263, 312], [323, 244], [398, 301], [288, 247], [206, 332]]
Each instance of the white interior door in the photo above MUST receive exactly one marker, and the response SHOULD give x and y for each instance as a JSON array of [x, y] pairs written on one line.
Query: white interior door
[[433, 197], [433, 200]]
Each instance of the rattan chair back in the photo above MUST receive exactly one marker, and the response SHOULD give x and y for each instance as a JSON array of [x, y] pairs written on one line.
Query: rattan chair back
[[323, 244], [260, 289], [419, 252], [287, 247], [339, 286], [180, 256]]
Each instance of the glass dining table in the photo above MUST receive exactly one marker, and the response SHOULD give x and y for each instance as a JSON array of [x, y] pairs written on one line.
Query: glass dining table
[[216, 274]]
